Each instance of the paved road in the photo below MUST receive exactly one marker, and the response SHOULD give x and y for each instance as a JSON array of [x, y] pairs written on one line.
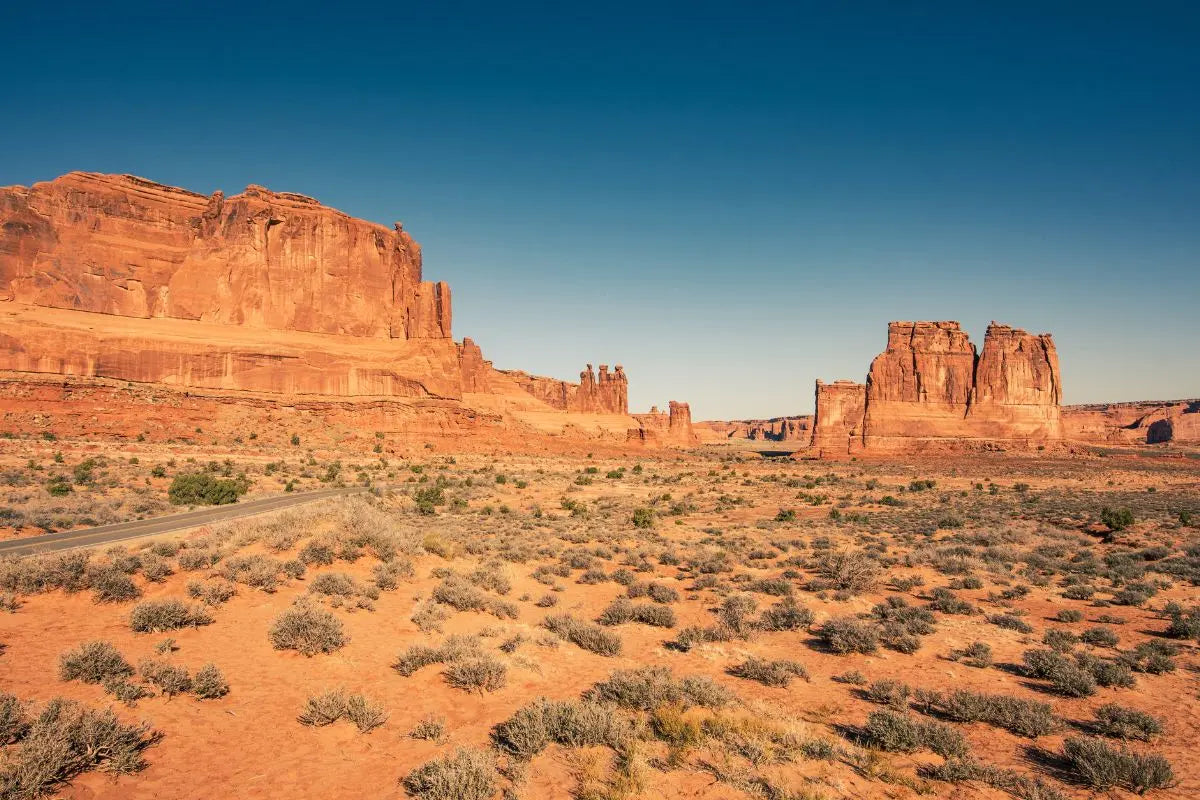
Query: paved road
[[106, 534]]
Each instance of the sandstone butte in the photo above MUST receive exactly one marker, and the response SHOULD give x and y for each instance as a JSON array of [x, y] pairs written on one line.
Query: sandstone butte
[[930, 389], [129, 307]]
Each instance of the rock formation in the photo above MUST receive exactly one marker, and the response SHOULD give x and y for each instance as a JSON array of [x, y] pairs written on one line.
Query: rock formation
[[116, 244], [1145, 422], [776, 429], [672, 429], [930, 387], [837, 426], [125, 289]]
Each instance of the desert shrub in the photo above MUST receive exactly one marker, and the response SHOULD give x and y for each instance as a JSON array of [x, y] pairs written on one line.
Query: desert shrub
[[1119, 722], [643, 518], [1102, 767], [899, 733], [485, 674], [158, 616], [736, 614], [13, 722], [430, 728], [1023, 717], [850, 635], [1060, 640], [693, 635], [388, 574], [647, 688], [1079, 591], [1106, 672], [67, 739], [976, 654], [204, 489], [170, 679], [257, 571], [1184, 624], [36, 574], [775, 672], [889, 692], [587, 635], [416, 657], [333, 583], [1152, 657], [468, 774], [126, 690], [1100, 636], [567, 722], [948, 602], [111, 585], [330, 706], [848, 571], [307, 630], [1117, 519], [621, 611], [1010, 622], [209, 683], [852, 677], [214, 593], [317, 552], [191, 560], [662, 593], [786, 615], [457, 593], [1069, 615], [93, 662], [155, 568]]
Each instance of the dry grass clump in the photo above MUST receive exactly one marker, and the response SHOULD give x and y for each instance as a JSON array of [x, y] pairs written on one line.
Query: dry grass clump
[[93, 662], [454, 648], [66, 739], [170, 679], [330, 706], [308, 630], [587, 635], [159, 616], [467, 774], [460, 594]]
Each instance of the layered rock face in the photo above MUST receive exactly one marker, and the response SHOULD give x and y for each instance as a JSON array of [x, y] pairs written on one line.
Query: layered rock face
[[776, 429], [608, 394], [672, 429], [1147, 422], [838, 424], [260, 300], [116, 244], [929, 388]]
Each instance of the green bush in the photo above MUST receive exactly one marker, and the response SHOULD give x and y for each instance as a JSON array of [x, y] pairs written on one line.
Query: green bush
[[643, 518], [202, 489], [1117, 519]]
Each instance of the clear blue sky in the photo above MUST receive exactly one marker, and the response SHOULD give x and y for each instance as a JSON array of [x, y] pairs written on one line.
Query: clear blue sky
[[731, 199]]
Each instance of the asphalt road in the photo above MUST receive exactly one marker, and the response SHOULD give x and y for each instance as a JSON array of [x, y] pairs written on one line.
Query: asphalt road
[[119, 531]]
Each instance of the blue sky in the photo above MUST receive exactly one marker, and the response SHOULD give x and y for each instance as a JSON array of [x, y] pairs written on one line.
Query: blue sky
[[730, 199]]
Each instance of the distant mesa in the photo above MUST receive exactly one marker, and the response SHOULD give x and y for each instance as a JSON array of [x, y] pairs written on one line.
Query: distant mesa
[[118, 292]]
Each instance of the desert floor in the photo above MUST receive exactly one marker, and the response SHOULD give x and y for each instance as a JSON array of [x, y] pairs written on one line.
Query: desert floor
[[689, 611]]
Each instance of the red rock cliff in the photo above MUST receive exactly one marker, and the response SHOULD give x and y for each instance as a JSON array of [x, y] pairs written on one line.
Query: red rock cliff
[[929, 388], [116, 244]]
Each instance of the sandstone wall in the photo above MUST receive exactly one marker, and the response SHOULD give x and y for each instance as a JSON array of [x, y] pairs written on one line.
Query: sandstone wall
[[116, 244], [1146, 422], [929, 388]]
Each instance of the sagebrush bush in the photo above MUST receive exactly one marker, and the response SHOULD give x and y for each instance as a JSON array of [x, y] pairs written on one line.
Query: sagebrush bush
[[899, 733], [170, 679], [66, 739], [1119, 722], [850, 635], [159, 616], [483, 674], [93, 662], [307, 630], [1102, 767], [647, 688], [571, 723], [209, 683], [1030, 718], [772, 672], [468, 774], [786, 615], [587, 635]]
